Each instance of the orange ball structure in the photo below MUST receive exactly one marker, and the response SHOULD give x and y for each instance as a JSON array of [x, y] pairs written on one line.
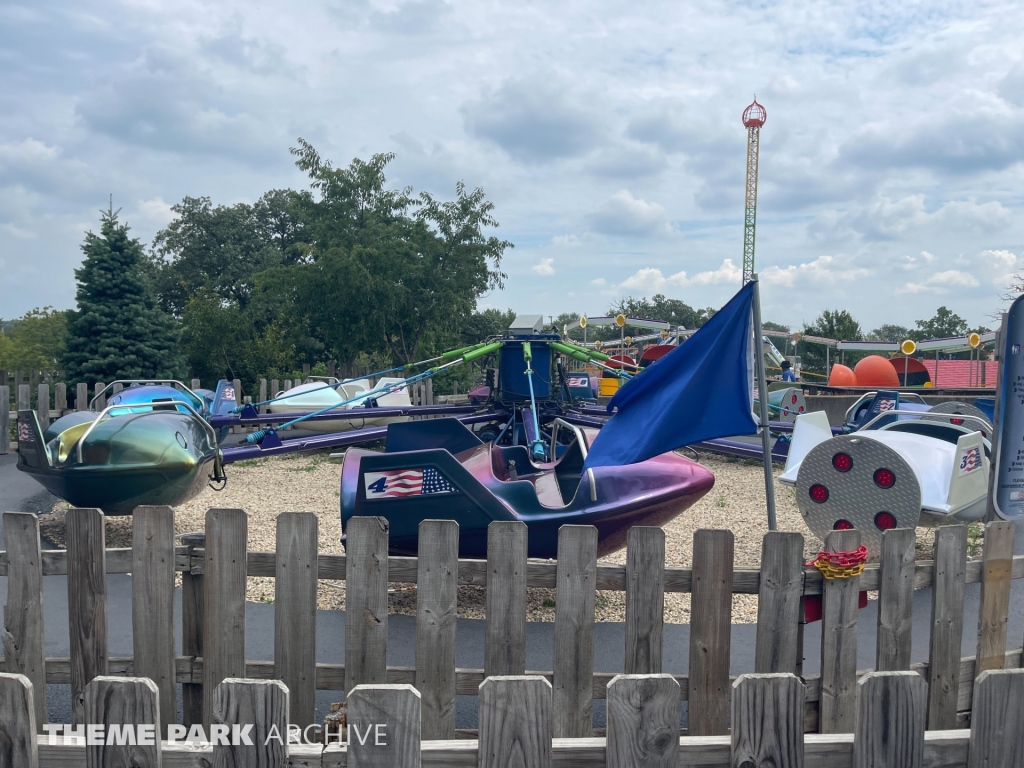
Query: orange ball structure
[[841, 376], [876, 371]]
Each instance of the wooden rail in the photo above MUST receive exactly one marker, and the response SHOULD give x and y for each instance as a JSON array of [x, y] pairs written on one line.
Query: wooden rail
[[214, 567]]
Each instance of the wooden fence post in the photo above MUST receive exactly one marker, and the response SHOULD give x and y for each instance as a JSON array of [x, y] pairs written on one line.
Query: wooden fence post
[[643, 722], [262, 704], [892, 708], [839, 599], [645, 599], [895, 600], [153, 605], [437, 584], [129, 702], [994, 611], [117, 387], [505, 622], [997, 720], [767, 721], [5, 420], [778, 602], [192, 629], [515, 722], [576, 584], [263, 396], [366, 602], [43, 405], [22, 638], [383, 726], [947, 626], [60, 398], [194, 384], [87, 602], [18, 724], [274, 388], [82, 396], [224, 582], [710, 632], [295, 612], [101, 400], [24, 398]]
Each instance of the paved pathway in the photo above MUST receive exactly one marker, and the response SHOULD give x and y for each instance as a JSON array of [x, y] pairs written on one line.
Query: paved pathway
[[20, 493]]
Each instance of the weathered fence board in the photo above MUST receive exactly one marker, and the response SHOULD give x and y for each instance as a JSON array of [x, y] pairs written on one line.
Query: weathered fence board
[[192, 631], [366, 602], [18, 724], [778, 604], [263, 704], [572, 685], [994, 611], [5, 420], [125, 701], [153, 603], [505, 621], [643, 722], [946, 626], [227, 532], [767, 721], [60, 398], [87, 602], [101, 399], [81, 396], [997, 722], [645, 599], [710, 632], [383, 726], [295, 612], [515, 722], [22, 638], [839, 642], [892, 709], [24, 397], [43, 405], [895, 600], [436, 620]]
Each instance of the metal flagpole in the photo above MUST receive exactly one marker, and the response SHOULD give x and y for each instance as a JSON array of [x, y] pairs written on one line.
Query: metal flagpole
[[762, 397]]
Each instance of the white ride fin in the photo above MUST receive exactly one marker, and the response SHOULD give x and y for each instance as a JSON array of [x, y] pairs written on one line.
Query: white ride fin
[[809, 430], [969, 479]]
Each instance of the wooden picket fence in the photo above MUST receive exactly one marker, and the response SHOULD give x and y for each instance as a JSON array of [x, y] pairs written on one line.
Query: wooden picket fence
[[547, 705]]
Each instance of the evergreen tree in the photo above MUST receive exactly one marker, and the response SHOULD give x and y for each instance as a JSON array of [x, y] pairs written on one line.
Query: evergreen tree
[[118, 332]]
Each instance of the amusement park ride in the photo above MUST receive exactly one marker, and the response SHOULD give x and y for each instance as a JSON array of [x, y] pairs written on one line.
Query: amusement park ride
[[518, 449]]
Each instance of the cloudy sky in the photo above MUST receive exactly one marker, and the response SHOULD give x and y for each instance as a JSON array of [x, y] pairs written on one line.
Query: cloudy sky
[[607, 134]]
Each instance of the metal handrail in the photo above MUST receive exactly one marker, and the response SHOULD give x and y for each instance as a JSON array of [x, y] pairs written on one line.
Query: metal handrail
[[940, 417], [173, 404], [142, 381], [581, 438]]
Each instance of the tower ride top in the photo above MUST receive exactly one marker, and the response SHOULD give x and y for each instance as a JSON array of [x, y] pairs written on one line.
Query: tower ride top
[[754, 116]]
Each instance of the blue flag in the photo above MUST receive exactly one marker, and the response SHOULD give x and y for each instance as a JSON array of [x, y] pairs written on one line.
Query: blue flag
[[701, 390]]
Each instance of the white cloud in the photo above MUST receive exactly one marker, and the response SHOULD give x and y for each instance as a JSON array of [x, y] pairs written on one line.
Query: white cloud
[[155, 212], [823, 270], [544, 267], [566, 241], [940, 282], [625, 215], [598, 282], [650, 280]]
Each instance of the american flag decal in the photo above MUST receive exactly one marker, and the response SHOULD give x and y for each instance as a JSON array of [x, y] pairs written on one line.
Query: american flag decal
[[229, 393], [399, 483], [25, 433], [970, 460], [886, 405]]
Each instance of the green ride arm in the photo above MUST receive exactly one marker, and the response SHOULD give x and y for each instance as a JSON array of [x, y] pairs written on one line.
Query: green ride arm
[[484, 350]]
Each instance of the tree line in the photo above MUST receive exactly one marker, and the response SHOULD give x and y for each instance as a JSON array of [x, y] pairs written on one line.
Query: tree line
[[349, 270]]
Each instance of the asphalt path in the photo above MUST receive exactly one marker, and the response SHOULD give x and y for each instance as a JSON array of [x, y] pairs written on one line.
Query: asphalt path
[[20, 493]]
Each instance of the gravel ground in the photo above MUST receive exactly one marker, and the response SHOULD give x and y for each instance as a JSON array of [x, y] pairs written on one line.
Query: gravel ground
[[267, 487]]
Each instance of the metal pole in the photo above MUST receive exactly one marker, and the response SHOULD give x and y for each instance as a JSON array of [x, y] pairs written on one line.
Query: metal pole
[[993, 472], [762, 396]]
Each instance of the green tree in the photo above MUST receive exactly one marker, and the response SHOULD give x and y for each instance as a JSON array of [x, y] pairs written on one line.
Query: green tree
[[890, 332], [768, 325], [481, 325], [118, 331], [222, 248], [34, 341], [944, 324], [659, 307], [836, 324]]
